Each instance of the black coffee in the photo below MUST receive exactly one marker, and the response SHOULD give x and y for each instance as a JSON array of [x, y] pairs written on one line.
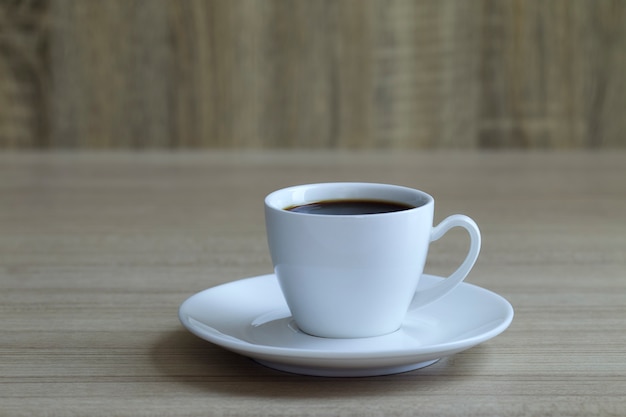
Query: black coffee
[[350, 207]]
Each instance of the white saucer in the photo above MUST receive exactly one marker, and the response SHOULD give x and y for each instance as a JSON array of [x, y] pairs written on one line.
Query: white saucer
[[250, 317]]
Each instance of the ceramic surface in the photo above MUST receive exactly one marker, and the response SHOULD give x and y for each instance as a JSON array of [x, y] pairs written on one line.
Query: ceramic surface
[[356, 275], [251, 317]]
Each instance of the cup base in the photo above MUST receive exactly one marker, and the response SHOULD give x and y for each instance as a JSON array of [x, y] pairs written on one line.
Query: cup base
[[293, 325]]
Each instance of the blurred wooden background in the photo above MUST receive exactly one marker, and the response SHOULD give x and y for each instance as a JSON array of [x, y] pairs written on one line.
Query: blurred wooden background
[[313, 73]]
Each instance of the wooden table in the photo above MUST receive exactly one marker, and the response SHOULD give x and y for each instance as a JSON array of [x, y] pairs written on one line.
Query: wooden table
[[97, 251]]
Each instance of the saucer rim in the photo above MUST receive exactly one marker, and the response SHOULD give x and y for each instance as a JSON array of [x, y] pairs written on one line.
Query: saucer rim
[[283, 354]]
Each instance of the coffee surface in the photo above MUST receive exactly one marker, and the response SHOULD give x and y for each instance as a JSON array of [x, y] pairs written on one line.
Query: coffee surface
[[350, 207]]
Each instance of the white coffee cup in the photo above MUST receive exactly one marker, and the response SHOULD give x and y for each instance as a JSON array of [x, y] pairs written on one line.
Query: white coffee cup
[[349, 276]]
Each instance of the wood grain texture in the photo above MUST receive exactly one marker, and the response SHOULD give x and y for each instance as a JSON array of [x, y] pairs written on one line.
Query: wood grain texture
[[397, 74], [24, 86], [98, 250]]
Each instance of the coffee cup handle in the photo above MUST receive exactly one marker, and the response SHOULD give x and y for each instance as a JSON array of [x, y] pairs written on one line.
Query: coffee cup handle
[[437, 291]]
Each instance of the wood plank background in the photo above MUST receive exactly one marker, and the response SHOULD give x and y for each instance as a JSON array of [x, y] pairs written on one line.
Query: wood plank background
[[394, 74]]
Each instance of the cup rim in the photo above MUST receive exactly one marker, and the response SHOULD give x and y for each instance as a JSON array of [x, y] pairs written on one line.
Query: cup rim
[[295, 195]]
